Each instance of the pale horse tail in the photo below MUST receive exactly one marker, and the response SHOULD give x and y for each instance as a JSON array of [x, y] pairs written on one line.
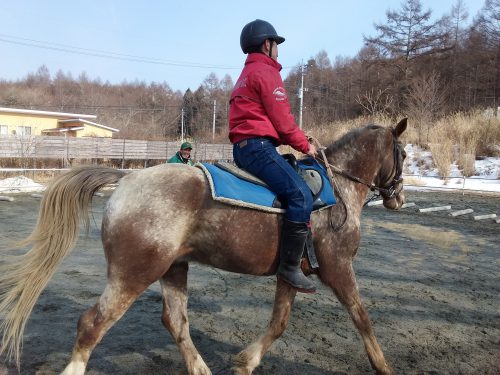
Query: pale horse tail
[[64, 206]]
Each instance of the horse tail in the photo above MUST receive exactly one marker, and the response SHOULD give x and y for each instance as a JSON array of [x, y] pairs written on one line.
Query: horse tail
[[64, 206]]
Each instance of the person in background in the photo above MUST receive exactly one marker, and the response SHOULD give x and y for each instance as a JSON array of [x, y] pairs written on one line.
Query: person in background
[[260, 120], [183, 155]]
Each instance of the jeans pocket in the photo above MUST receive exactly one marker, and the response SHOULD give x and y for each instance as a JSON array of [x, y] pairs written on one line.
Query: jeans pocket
[[247, 155]]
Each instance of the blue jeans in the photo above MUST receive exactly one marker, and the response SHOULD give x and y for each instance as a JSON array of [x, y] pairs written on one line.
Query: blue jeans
[[259, 157]]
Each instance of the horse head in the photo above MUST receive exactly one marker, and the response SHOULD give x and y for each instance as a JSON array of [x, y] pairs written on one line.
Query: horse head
[[372, 157], [389, 181]]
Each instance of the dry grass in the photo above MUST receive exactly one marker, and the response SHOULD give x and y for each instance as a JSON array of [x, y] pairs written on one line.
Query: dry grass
[[473, 132], [442, 151], [413, 181]]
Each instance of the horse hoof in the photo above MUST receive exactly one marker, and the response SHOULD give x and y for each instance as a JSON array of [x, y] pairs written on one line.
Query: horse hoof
[[241, 371], [387, 370], [242, 364], [199, 367]]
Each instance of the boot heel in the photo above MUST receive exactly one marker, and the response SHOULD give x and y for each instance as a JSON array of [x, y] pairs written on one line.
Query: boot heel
[[299, 290]]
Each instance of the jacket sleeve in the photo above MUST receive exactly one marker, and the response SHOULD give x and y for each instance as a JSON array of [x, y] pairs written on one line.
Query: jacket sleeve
[[275, 102]]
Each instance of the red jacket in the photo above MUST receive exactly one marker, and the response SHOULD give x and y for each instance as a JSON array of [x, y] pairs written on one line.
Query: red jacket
[[259, 106]]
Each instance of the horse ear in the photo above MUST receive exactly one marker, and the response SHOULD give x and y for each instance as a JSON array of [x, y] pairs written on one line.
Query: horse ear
[[401, 127]]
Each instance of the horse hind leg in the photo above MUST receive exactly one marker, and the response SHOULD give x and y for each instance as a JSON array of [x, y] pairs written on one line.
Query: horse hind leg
[[175, 317], [95, 322], [247, 360]]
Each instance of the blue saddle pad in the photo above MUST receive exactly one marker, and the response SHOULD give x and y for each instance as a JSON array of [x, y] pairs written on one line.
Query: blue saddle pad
[[228, 188]]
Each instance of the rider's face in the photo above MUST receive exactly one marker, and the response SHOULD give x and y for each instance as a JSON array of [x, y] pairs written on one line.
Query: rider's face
[[273, 46], [274, 51]]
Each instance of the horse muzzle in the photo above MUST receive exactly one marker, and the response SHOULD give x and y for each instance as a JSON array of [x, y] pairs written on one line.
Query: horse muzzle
[[395, 197]]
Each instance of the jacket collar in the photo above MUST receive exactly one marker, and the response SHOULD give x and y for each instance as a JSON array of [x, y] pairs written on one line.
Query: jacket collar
[[262, 58], [185, 161]]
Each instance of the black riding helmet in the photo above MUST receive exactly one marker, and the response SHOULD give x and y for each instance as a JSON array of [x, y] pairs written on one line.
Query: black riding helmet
[[255, 33]]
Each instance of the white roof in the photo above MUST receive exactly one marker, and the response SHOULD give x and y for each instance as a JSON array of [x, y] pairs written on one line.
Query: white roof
[[45, 113], [89, 123], [62, 130]]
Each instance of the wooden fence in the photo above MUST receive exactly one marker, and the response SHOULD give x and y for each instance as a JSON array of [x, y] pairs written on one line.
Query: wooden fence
[[68, 148]]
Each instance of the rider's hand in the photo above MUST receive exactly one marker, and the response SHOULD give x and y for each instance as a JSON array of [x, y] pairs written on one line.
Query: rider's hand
[[312, 150]]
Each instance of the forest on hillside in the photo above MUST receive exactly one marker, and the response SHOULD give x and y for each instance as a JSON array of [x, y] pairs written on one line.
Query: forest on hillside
[[415, 65]]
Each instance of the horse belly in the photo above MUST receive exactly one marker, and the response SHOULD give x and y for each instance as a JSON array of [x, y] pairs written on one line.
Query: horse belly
[[237, 240]]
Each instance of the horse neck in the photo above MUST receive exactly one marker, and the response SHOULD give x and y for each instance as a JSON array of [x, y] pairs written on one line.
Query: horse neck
[[361, 156]]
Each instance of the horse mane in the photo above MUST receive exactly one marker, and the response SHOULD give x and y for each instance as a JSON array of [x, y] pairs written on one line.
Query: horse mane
[[348, 138]]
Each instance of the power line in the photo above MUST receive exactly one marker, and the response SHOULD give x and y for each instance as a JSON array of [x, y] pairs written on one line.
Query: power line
[[111, 55], [105, 54]]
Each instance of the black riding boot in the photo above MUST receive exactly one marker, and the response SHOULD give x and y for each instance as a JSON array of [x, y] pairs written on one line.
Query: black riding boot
[[293, 239]]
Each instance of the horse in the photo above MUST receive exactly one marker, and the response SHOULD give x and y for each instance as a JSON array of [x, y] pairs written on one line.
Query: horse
[[160, 219]]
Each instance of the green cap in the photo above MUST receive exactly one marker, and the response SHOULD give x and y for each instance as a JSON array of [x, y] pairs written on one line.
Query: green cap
[[186, 145]]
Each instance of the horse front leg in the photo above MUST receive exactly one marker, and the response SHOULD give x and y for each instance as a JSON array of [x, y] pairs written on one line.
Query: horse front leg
[[247, 360], [175, 317], [343, 282]]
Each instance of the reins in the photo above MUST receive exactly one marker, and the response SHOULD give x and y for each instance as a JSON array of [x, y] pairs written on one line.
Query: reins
[[333, 169], [389, 191], [329, 171]]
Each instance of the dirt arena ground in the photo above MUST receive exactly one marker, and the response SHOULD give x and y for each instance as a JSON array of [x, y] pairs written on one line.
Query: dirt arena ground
[[431, 284]]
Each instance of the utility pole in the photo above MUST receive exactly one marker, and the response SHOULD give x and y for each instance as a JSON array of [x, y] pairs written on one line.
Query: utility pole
[[301, 93], [182, 125], [213, 123]]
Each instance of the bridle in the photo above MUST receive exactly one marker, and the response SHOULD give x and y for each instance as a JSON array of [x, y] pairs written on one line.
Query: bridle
[[394, 184], [389, 190]]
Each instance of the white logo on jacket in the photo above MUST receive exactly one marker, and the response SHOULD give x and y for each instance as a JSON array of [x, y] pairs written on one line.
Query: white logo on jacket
[[241, 83], [279, 93]]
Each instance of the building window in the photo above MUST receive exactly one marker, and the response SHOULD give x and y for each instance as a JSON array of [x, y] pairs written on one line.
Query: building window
[[4, 129], [23, 130]]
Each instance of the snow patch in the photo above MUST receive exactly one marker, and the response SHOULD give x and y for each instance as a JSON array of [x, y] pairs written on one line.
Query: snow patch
[[19, 184], [420, 171]]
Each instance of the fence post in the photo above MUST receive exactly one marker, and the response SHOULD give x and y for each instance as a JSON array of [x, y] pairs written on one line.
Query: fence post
[[66, 162], [463, 186], [123, 154]]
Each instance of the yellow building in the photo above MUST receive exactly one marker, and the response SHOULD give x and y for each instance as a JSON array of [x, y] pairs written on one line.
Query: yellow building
[[29, 122]]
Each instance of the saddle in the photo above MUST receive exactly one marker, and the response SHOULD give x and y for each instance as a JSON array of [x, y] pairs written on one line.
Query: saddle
[[309, 169]]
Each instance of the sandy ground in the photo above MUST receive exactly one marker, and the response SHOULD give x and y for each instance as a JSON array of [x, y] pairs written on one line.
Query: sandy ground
[[431, 284]]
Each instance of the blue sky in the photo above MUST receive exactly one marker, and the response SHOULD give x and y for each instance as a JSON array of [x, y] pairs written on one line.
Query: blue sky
[[186, 40]]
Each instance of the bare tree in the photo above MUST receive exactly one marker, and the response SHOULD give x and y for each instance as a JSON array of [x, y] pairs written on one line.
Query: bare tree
[[375, 102], [425, 103], [407, 35], [488, 24], [458, 15]]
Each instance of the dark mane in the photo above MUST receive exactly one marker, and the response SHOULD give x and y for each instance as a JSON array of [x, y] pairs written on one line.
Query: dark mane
[[349, 137]]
